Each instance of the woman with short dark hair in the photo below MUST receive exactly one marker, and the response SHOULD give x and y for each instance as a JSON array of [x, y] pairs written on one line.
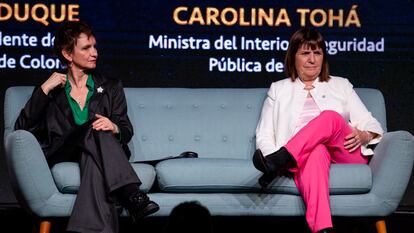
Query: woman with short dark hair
[[81, 116]]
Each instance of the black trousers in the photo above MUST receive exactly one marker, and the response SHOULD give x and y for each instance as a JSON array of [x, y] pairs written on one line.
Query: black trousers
[[104, 168]]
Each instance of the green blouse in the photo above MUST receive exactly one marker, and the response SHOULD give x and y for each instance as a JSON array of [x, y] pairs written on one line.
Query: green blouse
[[80, 115]]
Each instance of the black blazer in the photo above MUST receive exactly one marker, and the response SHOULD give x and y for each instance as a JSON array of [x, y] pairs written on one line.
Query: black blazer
[[49, 117]]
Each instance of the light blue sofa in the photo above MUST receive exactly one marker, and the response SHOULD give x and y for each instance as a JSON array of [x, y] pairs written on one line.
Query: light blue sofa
[[219, 124]]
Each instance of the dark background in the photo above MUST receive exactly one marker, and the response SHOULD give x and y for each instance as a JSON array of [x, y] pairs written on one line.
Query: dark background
[[123, 27]]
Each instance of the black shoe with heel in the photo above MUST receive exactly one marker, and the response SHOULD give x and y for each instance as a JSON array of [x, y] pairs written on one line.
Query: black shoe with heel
[[259, 162], [139, 205], [265, 180]]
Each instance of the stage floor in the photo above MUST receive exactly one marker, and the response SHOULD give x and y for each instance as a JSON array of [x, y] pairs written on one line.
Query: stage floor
[[14, 219]]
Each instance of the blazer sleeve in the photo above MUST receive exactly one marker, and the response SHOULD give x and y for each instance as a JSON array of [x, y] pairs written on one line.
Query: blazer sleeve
[[32, 116], [265, 134], [361, 118], [120, 113]]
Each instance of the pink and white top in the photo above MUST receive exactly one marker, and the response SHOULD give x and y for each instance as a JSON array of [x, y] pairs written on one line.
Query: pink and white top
[[310, 110]]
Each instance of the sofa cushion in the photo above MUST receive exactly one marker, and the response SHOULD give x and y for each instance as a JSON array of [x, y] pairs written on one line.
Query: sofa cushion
[[67, 176], [207, 175], [238, 175]]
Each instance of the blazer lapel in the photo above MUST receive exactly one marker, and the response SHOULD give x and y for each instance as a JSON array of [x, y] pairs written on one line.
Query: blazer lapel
[[297, 101], [98, 93], [63, 105]]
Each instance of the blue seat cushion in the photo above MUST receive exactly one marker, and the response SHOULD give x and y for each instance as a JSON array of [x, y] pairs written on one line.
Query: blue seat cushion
[[67, 176], [239, 175]]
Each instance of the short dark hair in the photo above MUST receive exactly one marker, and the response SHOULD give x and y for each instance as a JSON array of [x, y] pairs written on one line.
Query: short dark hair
[[66, 37], [188, 217], [310, 38]]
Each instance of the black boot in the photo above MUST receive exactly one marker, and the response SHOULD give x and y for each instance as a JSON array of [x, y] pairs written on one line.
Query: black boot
[[139, 205], [271, 165], [265, 180]]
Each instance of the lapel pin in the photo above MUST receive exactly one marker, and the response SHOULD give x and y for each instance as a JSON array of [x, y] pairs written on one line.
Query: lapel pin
[[99, 89]]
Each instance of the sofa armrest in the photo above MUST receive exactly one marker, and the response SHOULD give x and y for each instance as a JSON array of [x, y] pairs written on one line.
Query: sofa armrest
[[391, 166], [30, 175]]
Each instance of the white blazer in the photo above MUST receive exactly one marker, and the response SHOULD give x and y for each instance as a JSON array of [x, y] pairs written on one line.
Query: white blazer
[[284, 103]]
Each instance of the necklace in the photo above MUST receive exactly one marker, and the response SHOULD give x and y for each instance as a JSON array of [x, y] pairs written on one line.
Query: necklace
[[78, 95], [78, 91], [308, 88]]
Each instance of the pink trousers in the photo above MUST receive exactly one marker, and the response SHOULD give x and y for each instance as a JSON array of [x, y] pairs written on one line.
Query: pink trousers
[[315, 147]]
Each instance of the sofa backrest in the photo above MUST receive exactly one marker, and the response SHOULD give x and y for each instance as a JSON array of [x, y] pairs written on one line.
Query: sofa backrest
[[214, 122]]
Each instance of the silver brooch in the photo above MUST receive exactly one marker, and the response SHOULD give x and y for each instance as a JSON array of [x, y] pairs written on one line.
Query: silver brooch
[[99, 89]]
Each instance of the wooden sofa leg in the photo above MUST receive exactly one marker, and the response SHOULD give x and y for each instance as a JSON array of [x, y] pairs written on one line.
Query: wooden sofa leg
[[45, 226], [381, 227]]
